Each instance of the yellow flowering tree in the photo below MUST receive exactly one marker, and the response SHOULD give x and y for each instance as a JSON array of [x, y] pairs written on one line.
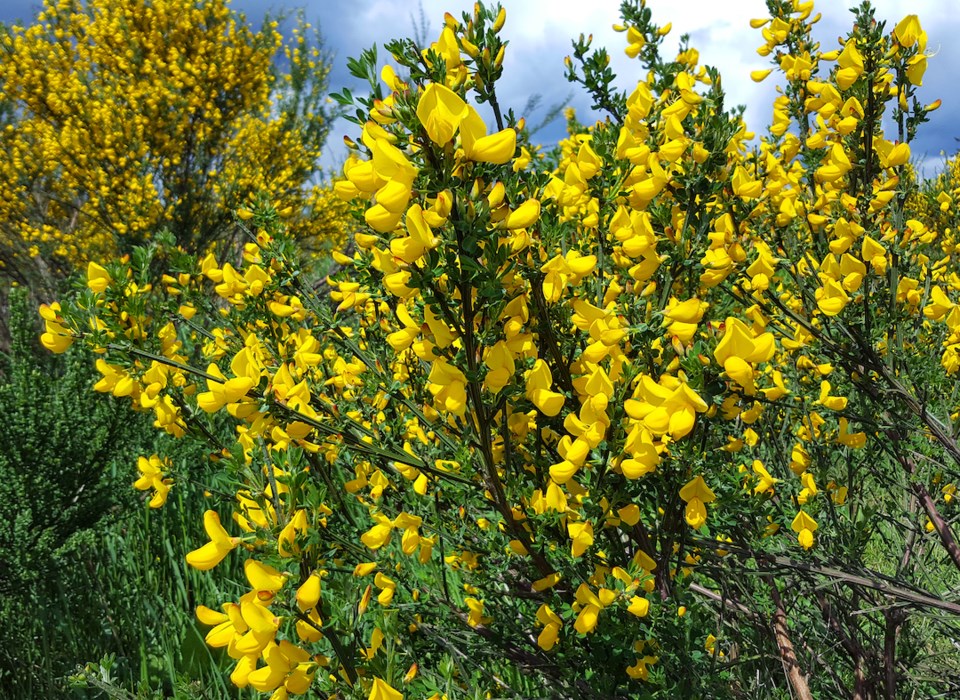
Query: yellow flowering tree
[[671, 417], [118, 119]]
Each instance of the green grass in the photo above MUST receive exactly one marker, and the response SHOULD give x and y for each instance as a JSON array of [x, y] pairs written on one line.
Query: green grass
[[88, 573]]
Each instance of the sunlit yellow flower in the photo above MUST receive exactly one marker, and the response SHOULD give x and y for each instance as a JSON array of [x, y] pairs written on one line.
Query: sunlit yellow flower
[[219, 546], [696, 494], [381, 690], [153, 475], [804, 526]]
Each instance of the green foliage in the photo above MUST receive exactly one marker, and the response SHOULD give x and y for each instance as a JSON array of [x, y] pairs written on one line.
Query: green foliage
[[55, 477], [85, 568]]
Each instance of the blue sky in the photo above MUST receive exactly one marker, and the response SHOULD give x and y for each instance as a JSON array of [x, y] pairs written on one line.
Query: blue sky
[[540, 32]]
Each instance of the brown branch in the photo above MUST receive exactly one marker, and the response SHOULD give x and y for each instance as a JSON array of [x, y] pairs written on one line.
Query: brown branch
[[911, 538], [788, 657], [878, 583], [939, 524], [893, 620], [851, 646], [860, 690]]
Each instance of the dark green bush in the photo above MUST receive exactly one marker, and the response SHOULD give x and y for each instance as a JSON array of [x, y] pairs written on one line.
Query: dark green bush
[[86, 569]]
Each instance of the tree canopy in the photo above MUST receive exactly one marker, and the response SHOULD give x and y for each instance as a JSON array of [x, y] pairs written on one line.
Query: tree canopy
[[119, 118]]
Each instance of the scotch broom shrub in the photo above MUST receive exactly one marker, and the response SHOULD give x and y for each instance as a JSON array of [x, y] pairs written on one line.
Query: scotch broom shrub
[[674, 416]]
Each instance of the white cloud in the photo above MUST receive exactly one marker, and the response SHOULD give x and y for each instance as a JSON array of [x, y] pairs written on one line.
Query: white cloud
[[540, 32]]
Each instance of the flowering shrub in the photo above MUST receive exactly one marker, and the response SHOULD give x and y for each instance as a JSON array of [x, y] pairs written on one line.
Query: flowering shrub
[[671, 417], [118, 118]]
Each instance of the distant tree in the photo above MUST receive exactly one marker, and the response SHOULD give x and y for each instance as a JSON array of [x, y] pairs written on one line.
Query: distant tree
[[122, 117]]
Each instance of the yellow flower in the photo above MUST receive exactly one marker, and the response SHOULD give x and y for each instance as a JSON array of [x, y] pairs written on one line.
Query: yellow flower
[[419, 240], [152, 472], [804, 526], [379, 534], [287, 540], [744, 186], [940, 304], [546, 582], [641, 670], [551, 627], [500, 361], [56, 339], [98, 279], [524, 215], [916, 67], [831, 297], [262, 577], [475, 618], [667, 407], [223, 391], [834, 403], [765, 482], [381, 690], [387, 586], [496, 148], [739, 341], [590, 604], [563, 270], [639, 606], [287, 665], [441, 111], [851, 65], [581, 536], [696, 494], [448, 386], [836, 165], [539, 383], [308, 594], [908, 32], [219, 546], [635, 42]]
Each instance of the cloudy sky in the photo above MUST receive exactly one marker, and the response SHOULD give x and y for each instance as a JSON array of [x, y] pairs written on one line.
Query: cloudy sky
[[540, 31]]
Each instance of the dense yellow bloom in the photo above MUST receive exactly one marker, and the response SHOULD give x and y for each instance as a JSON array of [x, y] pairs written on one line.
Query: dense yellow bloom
[[667, 407], [107, 145], [522, 378]]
